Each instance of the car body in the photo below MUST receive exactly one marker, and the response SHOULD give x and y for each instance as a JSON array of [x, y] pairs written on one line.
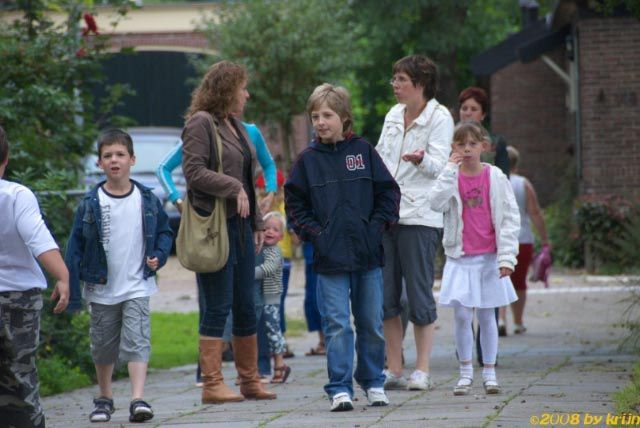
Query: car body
[[150, 146]]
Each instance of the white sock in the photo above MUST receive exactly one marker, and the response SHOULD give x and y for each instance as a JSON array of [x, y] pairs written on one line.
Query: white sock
[[489, 373], [466, 370]]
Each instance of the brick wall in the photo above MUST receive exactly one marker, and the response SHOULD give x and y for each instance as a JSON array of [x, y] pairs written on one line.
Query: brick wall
[[528, 108], [610, 105]]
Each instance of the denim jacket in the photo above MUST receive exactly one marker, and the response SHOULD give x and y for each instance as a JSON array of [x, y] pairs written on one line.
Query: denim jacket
[[85, 257]]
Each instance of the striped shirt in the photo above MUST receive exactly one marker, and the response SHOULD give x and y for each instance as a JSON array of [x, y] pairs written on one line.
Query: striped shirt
[[270, 273]]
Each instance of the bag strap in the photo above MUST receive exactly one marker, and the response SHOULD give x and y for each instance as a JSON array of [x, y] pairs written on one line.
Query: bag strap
[[216, 149]]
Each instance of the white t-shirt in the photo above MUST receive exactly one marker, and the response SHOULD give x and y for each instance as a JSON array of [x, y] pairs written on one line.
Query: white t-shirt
[[123, 242], [23, 236]]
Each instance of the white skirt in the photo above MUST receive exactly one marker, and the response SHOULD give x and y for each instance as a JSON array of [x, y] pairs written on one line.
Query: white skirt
[[474, 282]]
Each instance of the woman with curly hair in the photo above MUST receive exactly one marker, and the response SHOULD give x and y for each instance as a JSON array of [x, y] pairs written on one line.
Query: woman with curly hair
[[223, 90]]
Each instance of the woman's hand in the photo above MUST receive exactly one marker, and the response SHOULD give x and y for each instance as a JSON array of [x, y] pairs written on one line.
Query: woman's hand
[[265, 203], [415, 157], [258, 240], [243, 204], [505, 272]]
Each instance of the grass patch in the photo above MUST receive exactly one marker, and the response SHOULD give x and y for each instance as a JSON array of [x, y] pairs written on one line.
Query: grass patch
[[174, 339], [174, 342], [627, 400], [296, 327]]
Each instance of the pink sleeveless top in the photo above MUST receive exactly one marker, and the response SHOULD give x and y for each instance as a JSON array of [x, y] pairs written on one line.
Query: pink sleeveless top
[[478, 234]]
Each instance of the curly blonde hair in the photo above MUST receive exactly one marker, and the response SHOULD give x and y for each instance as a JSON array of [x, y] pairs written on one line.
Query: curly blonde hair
[[217, 90]]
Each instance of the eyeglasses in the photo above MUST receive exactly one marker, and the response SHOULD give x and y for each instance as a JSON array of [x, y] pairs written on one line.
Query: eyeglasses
[[400, 80]]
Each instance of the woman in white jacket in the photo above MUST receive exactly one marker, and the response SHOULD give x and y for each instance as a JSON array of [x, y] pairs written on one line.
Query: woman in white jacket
[[414, 145], [481, 227]]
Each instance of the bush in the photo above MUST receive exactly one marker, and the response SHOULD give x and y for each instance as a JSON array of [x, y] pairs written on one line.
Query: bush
[[58, 375], [564, 235], [605, 225]]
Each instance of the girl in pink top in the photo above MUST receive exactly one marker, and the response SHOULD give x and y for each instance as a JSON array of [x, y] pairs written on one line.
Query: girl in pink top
[[481, 225]]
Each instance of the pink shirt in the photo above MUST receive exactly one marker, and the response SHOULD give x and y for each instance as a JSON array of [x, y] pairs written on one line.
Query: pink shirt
[[478, 234]]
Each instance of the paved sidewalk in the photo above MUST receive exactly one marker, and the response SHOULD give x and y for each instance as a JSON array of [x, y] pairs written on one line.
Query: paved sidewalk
[[566, 366]]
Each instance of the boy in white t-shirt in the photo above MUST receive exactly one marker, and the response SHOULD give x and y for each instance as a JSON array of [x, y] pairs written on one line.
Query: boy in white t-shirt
[[24, 237], [120, 238]]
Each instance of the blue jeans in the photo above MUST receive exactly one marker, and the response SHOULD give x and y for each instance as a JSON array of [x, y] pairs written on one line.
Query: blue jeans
[[286, 272], [364, 289], [310, 291], [232, 286]]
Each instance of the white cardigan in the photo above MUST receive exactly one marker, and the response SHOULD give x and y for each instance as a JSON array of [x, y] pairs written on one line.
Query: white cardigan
[[432, 132], [505, 214]]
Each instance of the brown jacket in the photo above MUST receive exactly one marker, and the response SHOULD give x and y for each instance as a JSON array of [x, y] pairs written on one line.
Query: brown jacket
[[203, 180]]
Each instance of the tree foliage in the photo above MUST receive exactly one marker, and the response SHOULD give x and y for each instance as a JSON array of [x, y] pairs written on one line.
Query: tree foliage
[[47, 73], [289, 47], [449, 32]]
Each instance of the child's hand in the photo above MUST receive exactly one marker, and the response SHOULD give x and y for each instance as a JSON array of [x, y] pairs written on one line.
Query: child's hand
[[456, 158], [152, 262], [505, 272], [415, 157], [60, 292]]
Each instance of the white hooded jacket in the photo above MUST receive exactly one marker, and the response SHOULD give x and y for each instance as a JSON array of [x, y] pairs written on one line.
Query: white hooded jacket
[[505, 214], [432, 132]]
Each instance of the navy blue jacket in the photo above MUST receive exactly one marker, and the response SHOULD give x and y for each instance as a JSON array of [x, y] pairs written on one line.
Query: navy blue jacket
[[341, 197], [85, 257]]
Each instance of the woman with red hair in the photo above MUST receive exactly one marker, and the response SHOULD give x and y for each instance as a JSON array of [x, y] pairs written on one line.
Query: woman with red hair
[[474, 106]]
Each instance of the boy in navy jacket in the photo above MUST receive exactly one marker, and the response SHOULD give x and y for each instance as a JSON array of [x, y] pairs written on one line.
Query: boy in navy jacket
[[341, 197]]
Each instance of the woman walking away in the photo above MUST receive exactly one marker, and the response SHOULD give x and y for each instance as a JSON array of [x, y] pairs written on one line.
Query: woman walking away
[[481, 226], [529, 213], [223, 91]]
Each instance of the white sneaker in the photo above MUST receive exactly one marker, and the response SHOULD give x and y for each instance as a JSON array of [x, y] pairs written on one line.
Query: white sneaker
[[419, 380], [376, 397], [341, 402], [392, 381]]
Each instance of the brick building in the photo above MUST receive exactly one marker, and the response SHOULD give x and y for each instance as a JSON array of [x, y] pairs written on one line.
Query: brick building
[[564, 91]]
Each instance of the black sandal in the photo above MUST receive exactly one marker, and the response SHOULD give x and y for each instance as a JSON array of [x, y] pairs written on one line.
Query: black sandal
[[103, 410]]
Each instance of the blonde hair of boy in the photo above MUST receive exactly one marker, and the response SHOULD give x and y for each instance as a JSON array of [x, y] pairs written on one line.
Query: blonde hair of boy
[[337, 99], [277, 216]]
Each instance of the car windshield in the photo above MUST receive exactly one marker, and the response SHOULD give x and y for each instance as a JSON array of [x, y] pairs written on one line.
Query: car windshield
[[150, 150]]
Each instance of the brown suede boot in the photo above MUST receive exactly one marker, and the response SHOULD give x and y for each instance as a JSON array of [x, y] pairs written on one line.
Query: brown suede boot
[[214, 389], [245, 351]]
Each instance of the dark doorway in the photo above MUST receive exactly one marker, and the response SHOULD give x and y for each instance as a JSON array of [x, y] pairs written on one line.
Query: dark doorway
[[160, 81]]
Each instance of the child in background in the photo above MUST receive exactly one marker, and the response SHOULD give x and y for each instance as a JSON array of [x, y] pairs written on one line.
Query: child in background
[[120, 238], [270, 274], [530, 213], [341, 197], [481, 226]]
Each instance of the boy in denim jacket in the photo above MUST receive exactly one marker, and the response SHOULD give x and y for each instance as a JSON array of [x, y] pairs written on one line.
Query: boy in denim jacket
[[120, 238]]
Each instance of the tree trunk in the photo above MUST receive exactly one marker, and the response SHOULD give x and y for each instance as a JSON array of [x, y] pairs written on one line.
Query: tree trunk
[[286, 145]]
